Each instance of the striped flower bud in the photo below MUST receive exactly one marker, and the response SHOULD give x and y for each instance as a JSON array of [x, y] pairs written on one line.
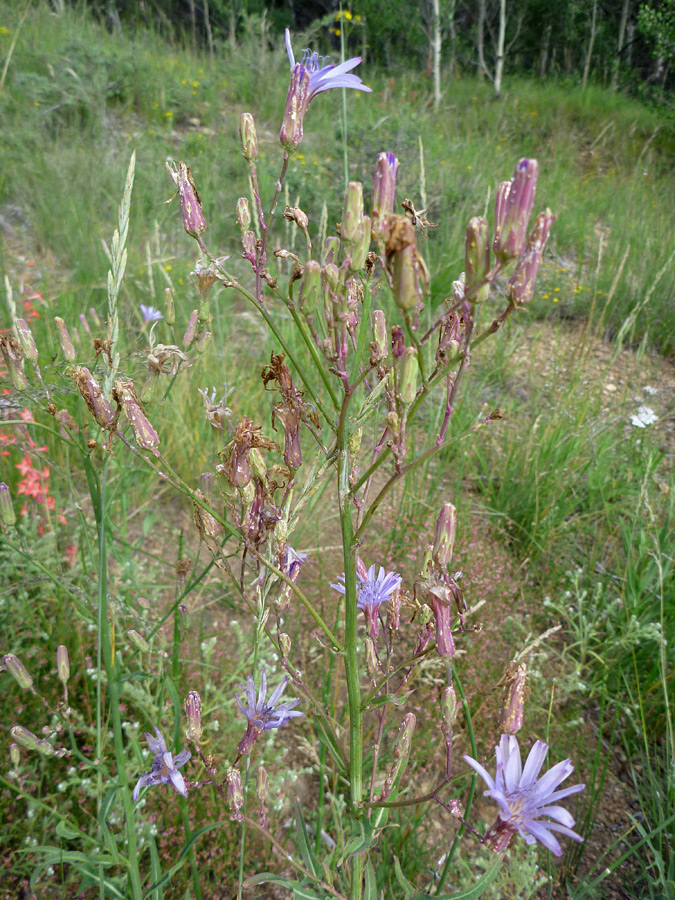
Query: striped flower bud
[[169, 307], [372, 665], [191, 329], [138, 640], [262, 784], [512, 714], [284, 644], [248, 136], [190, 203], [361, 248], [331, 250], [500, 211], [24, 737], [404, 737], [13, 356], [405, 266], [235, 792], [384, 191], [351, 227], [249, 245], [125, 396], [193, 716], [310, 287], [203, 341], [26, 340], [14, 754], [513, 231], [64, 339], [243, 214], [379, 348], [92, 394], [477, 259], [18, 672], [408, 383], [7, 514], [521, 284], [444, 539], [449, 706], [62, 664]]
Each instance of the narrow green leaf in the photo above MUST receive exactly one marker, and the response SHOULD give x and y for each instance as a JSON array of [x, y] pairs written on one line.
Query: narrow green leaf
[[304, 844], [370, 892], [471, 893], [360, 840], [407, 887]]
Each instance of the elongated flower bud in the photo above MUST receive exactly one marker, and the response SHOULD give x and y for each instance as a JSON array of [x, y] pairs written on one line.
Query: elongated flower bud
[[449, 706], [372, 666], [26, 340], [310, 287], [7, 514], [64, 339], [403, 262], [248, 136], [384, 191], [191, 329], [262, 784], [500, 211], [24, 737], [477, 259], [284, 644], [62, 664], [521, 284], [92, 394], [125, 396], [351, 227], [18, 671], [331, 250], [379, 348], [235, 792], [138, 640], [444, 539], [193, 715], [14, 754], [169, 307], [249, 245], [408, 384], [13, 356], [512, 714], [513, 232], [243, 214], [361, 248], [190, 203]]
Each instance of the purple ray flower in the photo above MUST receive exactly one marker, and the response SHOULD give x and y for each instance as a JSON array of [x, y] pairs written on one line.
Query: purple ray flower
[[523, 800], [261, 714], [310, 77], [164, 766], [373, 591], [150, 314]]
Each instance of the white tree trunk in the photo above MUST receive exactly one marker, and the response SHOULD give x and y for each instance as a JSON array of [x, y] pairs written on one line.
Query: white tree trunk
[[591, 40], [436, 43], [620, 43], [453, 37], [499, 66]]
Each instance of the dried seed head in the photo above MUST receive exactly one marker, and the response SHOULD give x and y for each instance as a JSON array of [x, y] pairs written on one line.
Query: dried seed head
[[190, 203], [125, 396], [92, 393], [26, 340]]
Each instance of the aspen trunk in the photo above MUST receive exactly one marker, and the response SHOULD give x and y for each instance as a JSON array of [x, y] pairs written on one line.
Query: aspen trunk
[[436, 50], [499, 67], [620, 43], [591, 41]]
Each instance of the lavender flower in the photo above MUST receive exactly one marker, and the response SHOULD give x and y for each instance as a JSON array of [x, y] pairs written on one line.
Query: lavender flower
[[150, 313], [164, 766], [261, 715], [523, 800], [374, 590], [310, 77]]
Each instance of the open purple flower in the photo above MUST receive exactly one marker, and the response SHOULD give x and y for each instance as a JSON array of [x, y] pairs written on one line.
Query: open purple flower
[[261, 714], [164, 766], [374, 590], [310, 77], [150, 313], [523, 800]]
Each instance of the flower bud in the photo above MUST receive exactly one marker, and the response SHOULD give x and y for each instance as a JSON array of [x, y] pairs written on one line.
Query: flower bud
[[404, 737], [138, 641], [203, 341], [18, 671], [513, 232], [24, 737], [425, 615], [521, 284], [249, 246], [125, 396], [380, 345], [94, 317], [92, 394], [64, 338], [331, 250], [397, 341], [459, 288], [384, 191], [169, 308], [45, 748], [351, 227], [191, 329], [295, 214], [361, 248], [310, 287], [7, 514], [243, 214], [444, 539], [297, 102], [284, 644], [248, 137], [62, 664], [511, 719], [477, 259], [193, 715], [408, 384], [500, 211], [404, 264], [14, 754], [26, 340], [13, 356], [262, 784], [449, 707], [235, 792], [372, 665], [190, 204]]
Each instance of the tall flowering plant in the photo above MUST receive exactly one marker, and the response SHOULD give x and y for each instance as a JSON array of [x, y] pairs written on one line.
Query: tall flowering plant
[[366, 357]]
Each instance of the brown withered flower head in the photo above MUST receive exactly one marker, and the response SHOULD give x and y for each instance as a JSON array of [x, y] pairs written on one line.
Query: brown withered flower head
[[292, 409], [124, 395], [236, 455]]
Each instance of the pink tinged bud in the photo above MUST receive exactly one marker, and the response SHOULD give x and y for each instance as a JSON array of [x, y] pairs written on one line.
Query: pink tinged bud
[[26, 340], [500, 212], [62, 664], [331, 250], [477, 259], [207, 525], [445, 643], [169, 307], [521, 284], [191, 329], [297, 102], [351, 227], [84, 323], [24, 737], [512, 715], [262, 784], [243, 214], [235, 792], [372, 665], [249, 246], [13, 356], [449, 707], [203, 342], [64, 338], [125, 396], [384, 191], [94, 317], [361, 569], [444, 539], [394, 611], [190, 203], [284, 644], [404, 737], [7, 514], [360, 250], [310, 287], [193, 716], [248, 136], [18, 671], [518, 209], [92, 394], [409, 370], [397, 342]]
